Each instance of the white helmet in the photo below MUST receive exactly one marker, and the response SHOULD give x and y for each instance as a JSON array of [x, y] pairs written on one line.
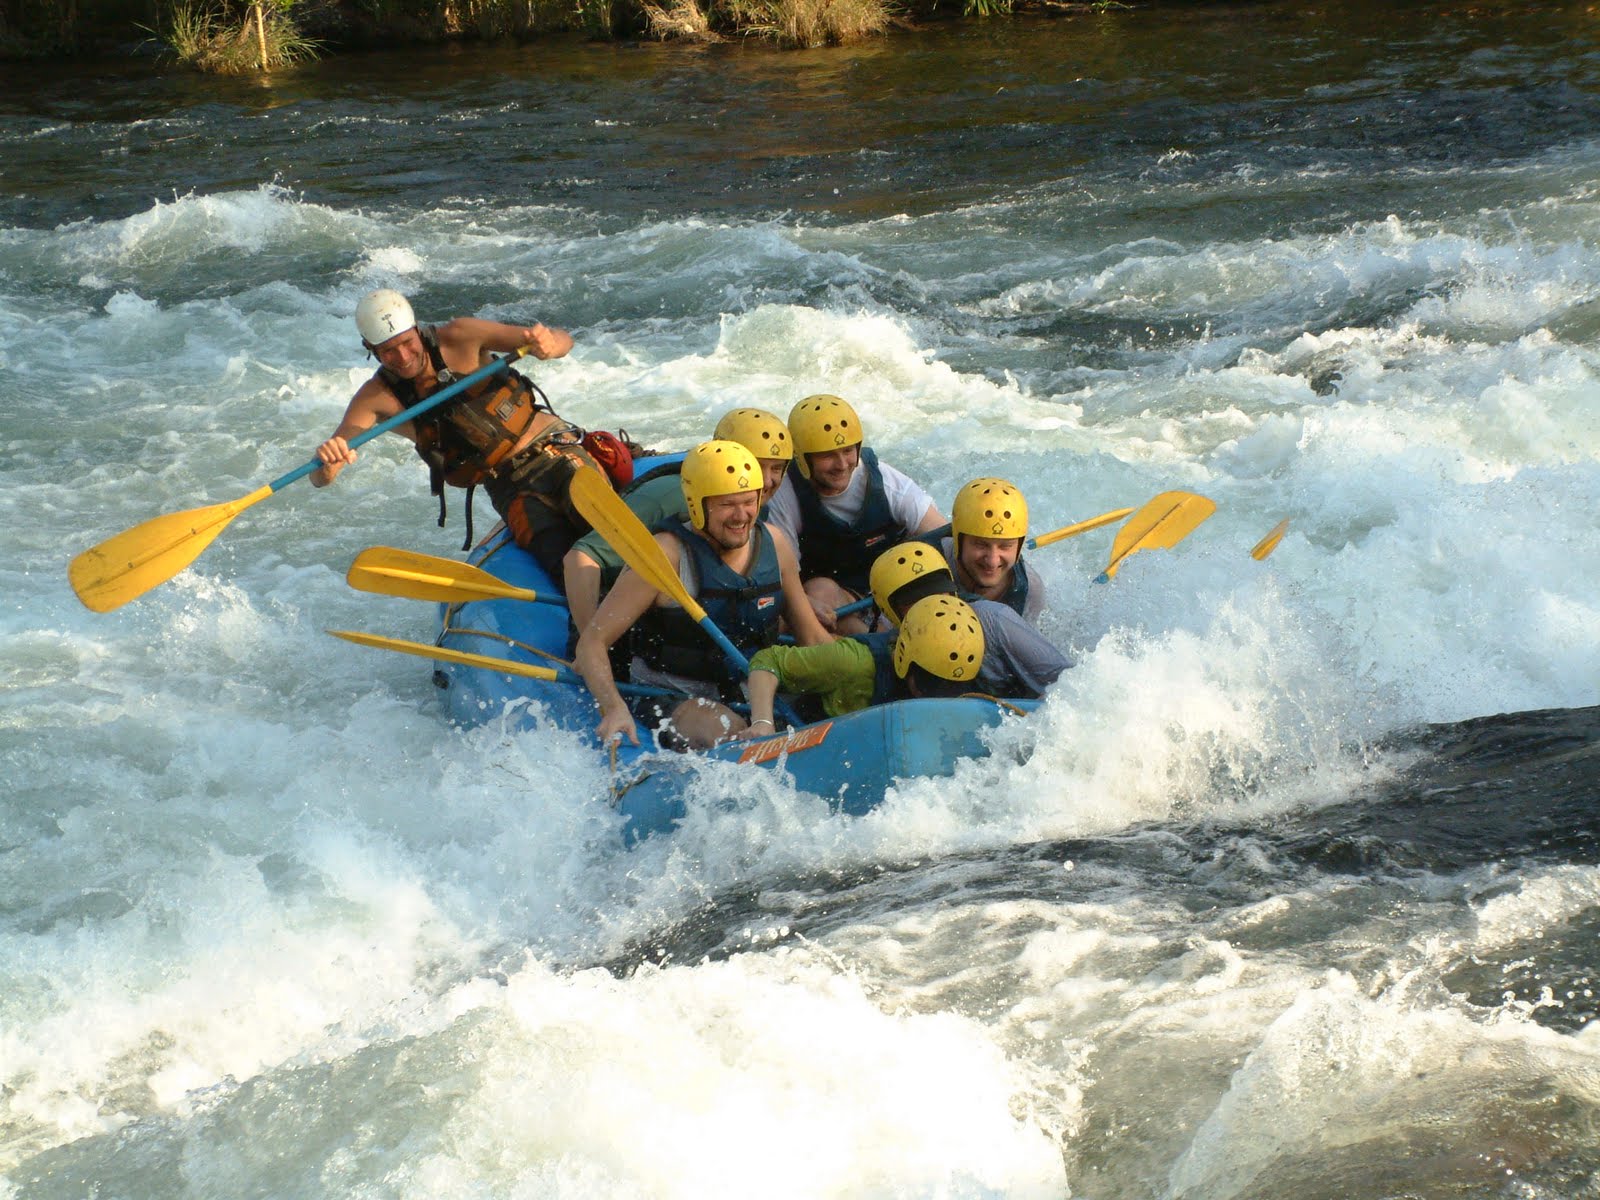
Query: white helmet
[[383, 314]]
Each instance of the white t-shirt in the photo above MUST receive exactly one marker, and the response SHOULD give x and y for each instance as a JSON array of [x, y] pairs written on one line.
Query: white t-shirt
[[908, 503]]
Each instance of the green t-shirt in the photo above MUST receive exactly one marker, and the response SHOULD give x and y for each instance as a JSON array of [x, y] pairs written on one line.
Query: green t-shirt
[[653, 501], [841, 672]]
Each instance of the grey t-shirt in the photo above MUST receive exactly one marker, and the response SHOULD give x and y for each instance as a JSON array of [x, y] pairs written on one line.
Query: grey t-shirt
[[1018, 661]]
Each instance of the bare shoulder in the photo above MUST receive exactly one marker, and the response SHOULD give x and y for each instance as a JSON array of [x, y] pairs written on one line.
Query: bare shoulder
[[374, 398], [671, 546], [781, 543]]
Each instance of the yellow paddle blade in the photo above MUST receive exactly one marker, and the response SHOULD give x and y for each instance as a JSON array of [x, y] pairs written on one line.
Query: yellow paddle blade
[[126, 566], [1270, 543], [616, 522], [422, 650], [393, 572], [1066, 531], [1162, 523]]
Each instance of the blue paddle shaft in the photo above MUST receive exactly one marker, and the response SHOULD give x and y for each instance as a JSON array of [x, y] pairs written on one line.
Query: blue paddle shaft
[[731, 652], [416, 410]]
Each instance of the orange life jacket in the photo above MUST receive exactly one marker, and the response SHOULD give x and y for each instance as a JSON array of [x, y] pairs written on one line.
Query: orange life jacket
[[464, 440]]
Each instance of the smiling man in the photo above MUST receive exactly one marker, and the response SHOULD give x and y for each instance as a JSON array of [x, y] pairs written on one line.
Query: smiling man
[[593, 565], [988, 526], [842, 507], [501, 433], [742, 571]]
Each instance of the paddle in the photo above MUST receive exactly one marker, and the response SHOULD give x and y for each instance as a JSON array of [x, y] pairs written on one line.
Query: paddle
[[1066, 531], [1160, 524], [1044, 539], [616, 522], [392, 572], [126, 566], [488, 662], [1270, 543]]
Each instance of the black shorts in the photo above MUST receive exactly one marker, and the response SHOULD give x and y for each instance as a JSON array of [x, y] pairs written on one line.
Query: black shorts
[[534, 496], [653, 715]]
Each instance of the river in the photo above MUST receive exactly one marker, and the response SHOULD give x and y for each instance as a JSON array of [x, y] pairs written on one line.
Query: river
[[1292, 887]]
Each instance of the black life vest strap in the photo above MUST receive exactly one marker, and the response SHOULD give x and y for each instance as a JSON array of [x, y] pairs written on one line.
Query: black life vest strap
[[740, 595], [405, 391]]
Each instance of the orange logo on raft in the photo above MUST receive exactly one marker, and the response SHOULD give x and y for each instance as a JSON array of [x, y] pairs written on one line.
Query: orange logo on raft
[[800, 739]]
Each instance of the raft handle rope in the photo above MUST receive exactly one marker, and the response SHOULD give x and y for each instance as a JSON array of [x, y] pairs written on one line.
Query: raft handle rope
[[499, 637], [997, 701]]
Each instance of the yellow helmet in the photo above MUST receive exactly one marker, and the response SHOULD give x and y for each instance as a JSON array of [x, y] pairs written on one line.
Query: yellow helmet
[[822, 423], [903, 565], [990, 508], [941, 634], [716, 468], [758, 431]]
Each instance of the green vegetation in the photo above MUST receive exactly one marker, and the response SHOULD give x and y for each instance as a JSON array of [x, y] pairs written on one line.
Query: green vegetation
[[234, 36], [228, 40]]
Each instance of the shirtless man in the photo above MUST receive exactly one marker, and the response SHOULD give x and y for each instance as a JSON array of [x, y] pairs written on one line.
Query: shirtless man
[[500, 432]]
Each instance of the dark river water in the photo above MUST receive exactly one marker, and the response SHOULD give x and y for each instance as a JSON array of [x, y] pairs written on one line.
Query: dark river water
[[913, 123], [1291, 887]]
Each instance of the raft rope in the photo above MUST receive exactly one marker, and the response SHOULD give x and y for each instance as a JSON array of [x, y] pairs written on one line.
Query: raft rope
[[996, 700], [450, 629]]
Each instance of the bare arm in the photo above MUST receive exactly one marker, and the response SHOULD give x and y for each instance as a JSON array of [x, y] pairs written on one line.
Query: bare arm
[[803, 621], [931, 520], [580, 579], [762, 687], [623, 606], [373, 402], [467, 342]]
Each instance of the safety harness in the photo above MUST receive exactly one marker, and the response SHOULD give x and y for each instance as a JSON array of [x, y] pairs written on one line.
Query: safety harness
[[472, 437]]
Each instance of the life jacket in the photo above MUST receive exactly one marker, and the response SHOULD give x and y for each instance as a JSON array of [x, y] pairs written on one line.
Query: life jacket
[[844, 552], [744, 607], [885, 683], [466, 439]]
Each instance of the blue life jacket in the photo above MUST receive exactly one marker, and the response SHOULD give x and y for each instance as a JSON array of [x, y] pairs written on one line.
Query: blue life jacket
[[744, 607], [885, 683], [844, 553]]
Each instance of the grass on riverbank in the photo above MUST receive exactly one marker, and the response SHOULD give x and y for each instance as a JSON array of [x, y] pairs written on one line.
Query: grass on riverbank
[[233, 36], [797, 23], [262, 38]]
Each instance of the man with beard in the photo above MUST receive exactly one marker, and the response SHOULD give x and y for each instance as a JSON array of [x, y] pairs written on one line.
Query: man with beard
[[743, 572], [593, 566]]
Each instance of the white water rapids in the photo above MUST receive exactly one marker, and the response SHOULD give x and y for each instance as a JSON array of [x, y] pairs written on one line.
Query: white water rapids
[[269, 926]]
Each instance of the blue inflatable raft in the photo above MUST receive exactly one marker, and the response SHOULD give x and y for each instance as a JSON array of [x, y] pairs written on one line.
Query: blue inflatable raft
[[850, 761]]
